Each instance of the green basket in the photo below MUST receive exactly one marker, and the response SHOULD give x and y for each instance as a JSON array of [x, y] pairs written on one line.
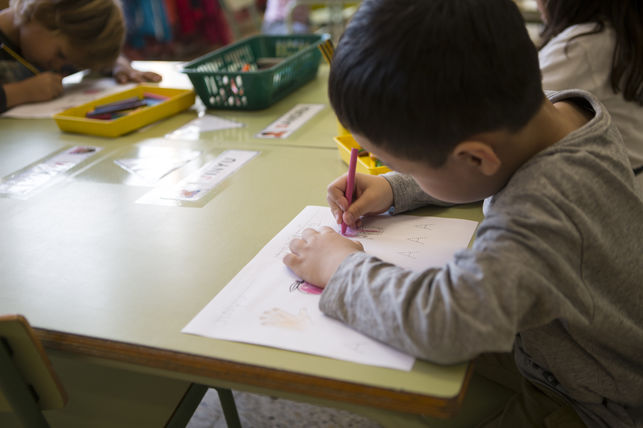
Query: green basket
[[230, 78]]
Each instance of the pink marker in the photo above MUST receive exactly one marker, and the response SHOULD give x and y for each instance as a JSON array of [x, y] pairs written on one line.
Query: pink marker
[[350, 183]]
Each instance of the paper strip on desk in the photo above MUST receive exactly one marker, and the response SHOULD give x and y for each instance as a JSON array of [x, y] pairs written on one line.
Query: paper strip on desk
[[26, 182], [291, 121], [200, 183], [153, 163], [206, 123], [266, 304]]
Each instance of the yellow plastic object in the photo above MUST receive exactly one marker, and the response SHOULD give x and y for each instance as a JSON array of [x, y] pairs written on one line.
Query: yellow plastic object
[[341, 130], [74, 120], [365, 164]]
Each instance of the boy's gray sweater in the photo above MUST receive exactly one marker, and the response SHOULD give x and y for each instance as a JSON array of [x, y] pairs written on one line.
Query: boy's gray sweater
[[555, 273]]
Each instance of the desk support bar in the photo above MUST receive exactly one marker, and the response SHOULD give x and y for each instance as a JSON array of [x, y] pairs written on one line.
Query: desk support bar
[[229, 408], [187, 406], [190, 401]]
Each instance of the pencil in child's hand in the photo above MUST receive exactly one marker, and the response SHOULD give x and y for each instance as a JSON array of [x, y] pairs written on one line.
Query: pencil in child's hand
[[20, 59], [350, 182]]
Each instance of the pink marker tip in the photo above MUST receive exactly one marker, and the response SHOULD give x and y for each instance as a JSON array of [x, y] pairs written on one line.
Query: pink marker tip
[[350, 182]]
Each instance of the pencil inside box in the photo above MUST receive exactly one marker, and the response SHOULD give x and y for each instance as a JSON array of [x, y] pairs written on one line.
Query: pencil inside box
[[366, 163], [120, 108]]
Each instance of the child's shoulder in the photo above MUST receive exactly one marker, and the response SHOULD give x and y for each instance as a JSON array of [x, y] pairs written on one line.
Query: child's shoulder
[[588, 29], [588, 161], [584, 36], [598, 134]]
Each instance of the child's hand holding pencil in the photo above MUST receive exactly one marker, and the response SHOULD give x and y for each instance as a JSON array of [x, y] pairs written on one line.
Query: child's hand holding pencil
[[42, 87], [372, 195]]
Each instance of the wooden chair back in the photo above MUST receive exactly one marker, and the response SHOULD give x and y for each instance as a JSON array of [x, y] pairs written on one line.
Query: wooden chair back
[[28, 383]]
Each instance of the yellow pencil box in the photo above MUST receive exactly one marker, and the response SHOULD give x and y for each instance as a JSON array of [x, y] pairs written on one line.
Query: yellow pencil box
[[365, 164], [74, 120]]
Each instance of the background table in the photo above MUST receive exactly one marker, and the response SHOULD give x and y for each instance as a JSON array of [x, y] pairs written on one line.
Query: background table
[[111, 282]]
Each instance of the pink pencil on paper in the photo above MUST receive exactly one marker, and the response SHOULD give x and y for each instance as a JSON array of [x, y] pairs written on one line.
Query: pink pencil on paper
[[350, 182]]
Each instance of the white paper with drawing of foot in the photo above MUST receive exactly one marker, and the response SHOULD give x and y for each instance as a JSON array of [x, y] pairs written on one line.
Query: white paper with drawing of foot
[[266, 304]]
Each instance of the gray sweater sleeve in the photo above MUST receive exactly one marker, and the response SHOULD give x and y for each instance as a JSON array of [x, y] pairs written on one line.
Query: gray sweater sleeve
[[407, 195], [474, 304]]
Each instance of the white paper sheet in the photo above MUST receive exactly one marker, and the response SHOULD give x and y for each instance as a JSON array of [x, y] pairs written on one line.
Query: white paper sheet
[[200, 183], [266, 304], [26, 182], [150, 163], [170, 70]]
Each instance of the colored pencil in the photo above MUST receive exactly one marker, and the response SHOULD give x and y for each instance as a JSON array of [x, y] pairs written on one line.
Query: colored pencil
[[20, 59], [350, 182], [115, 107], [327, 49]]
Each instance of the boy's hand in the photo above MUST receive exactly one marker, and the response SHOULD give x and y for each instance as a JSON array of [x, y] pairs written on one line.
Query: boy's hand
[[317, 255], [373, 195], [123, 73]]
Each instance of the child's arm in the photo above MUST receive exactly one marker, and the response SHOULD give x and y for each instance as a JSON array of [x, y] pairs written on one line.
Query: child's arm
[[446, 315], [474, 304], [407, 194], [123, 72], [42, 87]]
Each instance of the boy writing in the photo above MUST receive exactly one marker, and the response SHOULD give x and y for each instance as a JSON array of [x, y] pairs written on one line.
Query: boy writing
[[448, 93], [56, 37]]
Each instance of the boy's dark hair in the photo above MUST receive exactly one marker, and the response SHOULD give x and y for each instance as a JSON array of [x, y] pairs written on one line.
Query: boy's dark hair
[[625, 17], [416, 77]]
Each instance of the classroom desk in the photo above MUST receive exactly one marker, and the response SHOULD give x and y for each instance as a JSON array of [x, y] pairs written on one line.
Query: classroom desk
[[106, 280]]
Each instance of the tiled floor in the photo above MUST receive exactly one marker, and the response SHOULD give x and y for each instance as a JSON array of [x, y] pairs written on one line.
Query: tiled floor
[[258, 411]]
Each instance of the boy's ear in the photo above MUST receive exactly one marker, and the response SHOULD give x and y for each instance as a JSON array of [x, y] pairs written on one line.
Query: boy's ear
[[477, 155]]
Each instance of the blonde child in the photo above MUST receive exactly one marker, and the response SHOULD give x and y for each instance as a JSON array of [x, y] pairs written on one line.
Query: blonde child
[[57, 37], [448, 93]]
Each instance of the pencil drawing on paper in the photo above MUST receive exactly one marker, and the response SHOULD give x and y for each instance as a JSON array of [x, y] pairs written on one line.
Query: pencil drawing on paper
[[369, 232], [418, 239], [357, 346], [426, 226], [304, 287], [409, 254], [285, 249], [277, 317]]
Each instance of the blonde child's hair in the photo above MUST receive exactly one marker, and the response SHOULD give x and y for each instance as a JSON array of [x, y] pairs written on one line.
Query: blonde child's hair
[[94, 28]]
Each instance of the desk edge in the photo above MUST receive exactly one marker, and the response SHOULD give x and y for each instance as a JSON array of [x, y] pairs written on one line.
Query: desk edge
[[281, 380]]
